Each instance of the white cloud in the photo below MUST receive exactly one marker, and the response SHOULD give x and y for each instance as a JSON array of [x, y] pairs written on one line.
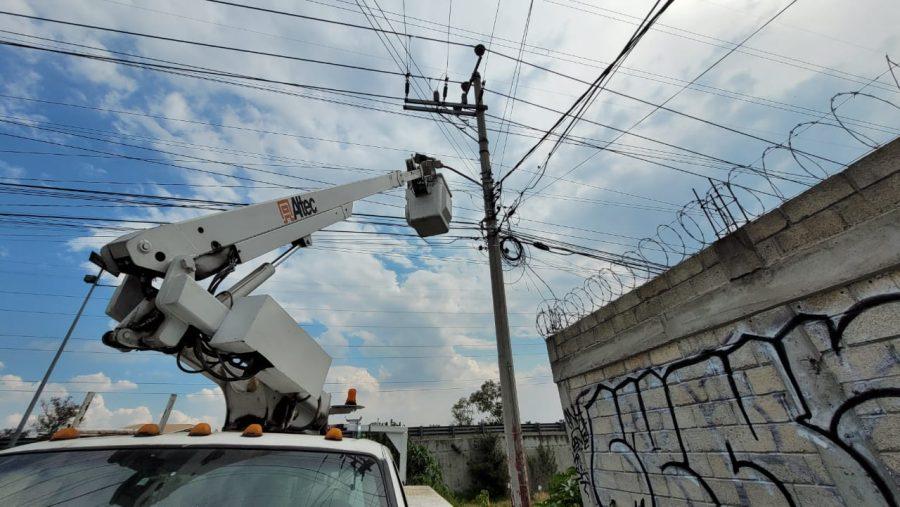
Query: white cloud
[[99, 416], [100, 382]]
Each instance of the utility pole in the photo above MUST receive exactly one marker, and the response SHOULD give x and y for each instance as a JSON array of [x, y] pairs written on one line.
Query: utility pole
[[512, 426], [93, 280]]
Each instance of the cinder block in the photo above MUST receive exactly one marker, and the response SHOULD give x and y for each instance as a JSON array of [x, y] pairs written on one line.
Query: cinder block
[[828, 303], [874, 286], [876, 166], [865, 362], [820, 496], [623, 320], [743, 357], [684, 416], [594, 377], [654, 398], [653, 287], [762, 493], [715, 414], [737, 255], [671, 299], [709, 279], [708, 257], [769, 408], [769, 251], [817, 198], [885, 429], [742, 440], [665, 354], [628, 300], [769, 322], [762, 380], [810, 231], [856, 209], [605, 313], [766, 225], [552, 350], [649, 308], [684, 270], [568, 348], [875, 324], [687, 393], [892, 460], [611, 371], [637, 362], [885, 194]]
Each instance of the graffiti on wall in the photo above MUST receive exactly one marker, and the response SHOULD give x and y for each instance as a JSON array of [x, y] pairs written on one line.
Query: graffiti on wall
[[580, 423]]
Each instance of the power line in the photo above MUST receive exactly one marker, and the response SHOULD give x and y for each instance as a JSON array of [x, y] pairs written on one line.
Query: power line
[[641, 74], [206, 44], [335, 22], [674, 95], [660, 106], [725, 44]]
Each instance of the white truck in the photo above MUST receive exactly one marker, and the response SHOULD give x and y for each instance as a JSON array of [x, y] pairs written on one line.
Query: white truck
[[276, 446]]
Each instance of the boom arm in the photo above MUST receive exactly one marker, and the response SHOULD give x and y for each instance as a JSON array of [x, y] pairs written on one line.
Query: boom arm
[[270, 370], [250, 231]]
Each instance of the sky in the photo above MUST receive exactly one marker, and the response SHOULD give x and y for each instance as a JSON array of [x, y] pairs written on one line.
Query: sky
[[408, 322]]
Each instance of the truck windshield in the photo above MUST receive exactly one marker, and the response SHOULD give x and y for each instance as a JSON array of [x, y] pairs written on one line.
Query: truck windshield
[[191, 476]]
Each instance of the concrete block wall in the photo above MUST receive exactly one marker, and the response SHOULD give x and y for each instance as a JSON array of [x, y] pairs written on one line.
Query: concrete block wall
[[453, 453], [762, 371]]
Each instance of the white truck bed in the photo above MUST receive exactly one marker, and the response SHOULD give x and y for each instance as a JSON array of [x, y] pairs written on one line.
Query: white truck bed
[[424, 496]]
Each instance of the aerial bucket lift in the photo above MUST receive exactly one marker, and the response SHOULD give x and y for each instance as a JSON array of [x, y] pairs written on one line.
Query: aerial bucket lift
[[270, 370]]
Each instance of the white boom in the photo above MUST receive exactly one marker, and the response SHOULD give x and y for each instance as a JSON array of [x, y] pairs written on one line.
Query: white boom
[[271, 371]]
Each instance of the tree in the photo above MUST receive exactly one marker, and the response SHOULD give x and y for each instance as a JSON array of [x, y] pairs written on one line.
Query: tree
[[462, 412], [541, 467], [484, 404], [487, 467], [423, 469], [55, 414]]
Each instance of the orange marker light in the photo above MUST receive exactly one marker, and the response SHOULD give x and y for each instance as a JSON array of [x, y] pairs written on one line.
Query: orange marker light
[[147, 430], [351, 397], [334, 434], [254, 430], [65, 434], [200, 430]]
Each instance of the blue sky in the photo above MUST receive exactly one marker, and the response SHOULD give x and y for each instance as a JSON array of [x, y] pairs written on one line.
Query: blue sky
[[363, 296]]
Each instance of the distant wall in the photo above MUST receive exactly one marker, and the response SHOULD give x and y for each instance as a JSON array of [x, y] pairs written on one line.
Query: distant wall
[[763, 370], [452, 447]]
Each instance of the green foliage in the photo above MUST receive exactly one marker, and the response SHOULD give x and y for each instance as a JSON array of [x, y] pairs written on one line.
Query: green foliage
[[563, 491], [55, 414], [462, 412], [541, 467], [484, 404], [423, 469], [487, 467], [483, 498]]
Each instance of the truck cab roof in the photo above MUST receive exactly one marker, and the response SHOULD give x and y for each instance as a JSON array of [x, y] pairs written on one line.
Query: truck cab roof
[[222, 438]]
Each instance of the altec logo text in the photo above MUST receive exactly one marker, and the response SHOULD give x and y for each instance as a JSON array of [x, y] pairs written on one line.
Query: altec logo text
[[296, 207]]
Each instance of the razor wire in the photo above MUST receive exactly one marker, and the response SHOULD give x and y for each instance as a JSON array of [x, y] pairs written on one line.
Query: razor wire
[[723, 208]]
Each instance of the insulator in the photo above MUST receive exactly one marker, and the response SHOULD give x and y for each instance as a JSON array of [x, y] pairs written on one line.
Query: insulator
[[437, 96], [445, 89], [407, 84]]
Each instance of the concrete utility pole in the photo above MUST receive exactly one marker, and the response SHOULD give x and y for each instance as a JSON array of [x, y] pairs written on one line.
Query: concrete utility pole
[[512, 426], [93, 280]]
